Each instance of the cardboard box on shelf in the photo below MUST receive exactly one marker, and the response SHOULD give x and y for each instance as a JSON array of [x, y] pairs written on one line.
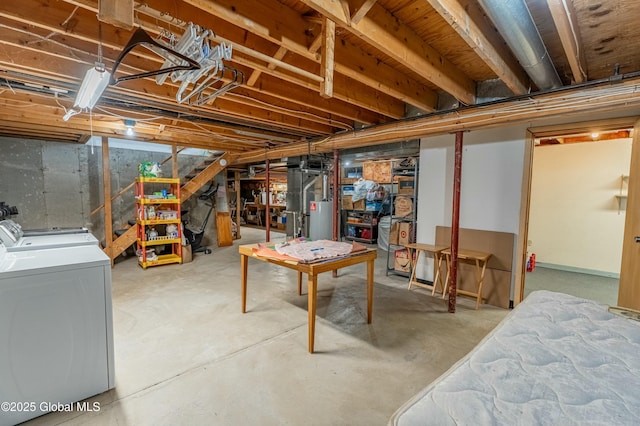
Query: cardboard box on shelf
[[377, 171], [404, 233], [403, 206], [359, 205], [347, 204], [405, 185], [402, 263]]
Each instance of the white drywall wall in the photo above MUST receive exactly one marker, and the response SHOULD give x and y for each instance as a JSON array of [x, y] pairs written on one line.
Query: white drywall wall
[[492, 162]]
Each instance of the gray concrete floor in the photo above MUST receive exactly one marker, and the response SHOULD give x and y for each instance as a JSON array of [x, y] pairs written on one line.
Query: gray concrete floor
[[593, 287], [185, 354]]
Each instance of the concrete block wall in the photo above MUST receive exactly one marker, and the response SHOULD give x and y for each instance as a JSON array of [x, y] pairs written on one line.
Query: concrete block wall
[[47, 181], [57, 184]]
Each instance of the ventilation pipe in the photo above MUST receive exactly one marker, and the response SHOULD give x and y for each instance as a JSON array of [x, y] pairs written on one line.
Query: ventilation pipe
[[325, 186], [514, 22]]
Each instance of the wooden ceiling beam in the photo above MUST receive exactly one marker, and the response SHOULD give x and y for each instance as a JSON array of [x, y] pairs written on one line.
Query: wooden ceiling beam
[[337, 108], [383, 31], [390, 107], [26, 102], [25, 43], [370, 106], [64, 20], [360, 8], [28, 123], [378, 100], [565, 20], [469, 22], [360, 66], [285, 27], [144, 89], [29, 99]]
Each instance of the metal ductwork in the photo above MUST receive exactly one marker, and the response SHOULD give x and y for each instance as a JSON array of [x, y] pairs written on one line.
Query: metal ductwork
[[514, 22]]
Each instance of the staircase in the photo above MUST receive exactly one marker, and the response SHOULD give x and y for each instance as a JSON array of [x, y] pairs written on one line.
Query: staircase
[[197, 179]]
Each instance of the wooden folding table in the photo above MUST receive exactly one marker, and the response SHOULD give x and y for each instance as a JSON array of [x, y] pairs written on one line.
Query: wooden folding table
[[436, 252], [480, 260]]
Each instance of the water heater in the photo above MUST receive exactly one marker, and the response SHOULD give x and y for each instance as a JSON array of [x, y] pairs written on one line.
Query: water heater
[[321, 220]]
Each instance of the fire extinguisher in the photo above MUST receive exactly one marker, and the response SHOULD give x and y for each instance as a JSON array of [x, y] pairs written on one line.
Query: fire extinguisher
[[531, 263]]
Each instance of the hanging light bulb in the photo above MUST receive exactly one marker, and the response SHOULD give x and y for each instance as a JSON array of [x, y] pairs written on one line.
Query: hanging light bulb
[[129, 124]]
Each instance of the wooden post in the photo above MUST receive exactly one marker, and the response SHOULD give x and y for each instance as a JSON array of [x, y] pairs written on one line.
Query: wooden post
[[174, 161], [106, 195], [455, 223], [267, 207], [239, 206]]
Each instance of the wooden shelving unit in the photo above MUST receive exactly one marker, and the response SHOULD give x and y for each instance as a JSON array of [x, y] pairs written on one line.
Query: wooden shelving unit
[[157, 211]]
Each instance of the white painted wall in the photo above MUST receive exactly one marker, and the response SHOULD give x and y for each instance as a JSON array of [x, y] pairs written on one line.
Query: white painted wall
[[574, 219], [492, 163]]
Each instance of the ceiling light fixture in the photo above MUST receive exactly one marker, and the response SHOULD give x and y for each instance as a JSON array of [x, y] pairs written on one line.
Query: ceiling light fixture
[[95, 81], [595, 135], [129, 124]]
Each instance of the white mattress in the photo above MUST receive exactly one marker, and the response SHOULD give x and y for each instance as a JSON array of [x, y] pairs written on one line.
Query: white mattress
[[555, 360]]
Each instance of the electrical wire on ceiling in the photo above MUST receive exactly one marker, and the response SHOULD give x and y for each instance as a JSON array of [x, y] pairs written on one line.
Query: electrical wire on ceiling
[[229, 138], [63, 24], [9, 85], [123, 117], [318, 118]]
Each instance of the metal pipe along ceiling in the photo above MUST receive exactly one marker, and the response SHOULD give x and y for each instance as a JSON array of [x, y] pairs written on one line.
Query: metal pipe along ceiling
[[514, 22]]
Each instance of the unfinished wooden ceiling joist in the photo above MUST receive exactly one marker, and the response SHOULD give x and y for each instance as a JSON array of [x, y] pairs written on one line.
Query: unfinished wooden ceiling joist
[[319, 73]]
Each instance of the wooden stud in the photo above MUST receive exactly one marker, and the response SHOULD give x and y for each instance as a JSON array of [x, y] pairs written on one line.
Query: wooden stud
[[327, 61], [106, 195], [564, 18], [236, 183], [174, 161], [360, 10], [116, 12], [482, 38]]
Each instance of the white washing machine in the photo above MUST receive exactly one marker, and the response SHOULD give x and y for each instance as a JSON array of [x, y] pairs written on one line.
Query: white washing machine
[[16, 239], [56, 333]]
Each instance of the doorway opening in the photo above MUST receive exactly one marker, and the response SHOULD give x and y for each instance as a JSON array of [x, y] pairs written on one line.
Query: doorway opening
[[577, 209]]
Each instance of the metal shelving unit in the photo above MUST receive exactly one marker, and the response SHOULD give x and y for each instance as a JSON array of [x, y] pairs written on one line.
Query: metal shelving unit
[[404, 189], [361, 226]]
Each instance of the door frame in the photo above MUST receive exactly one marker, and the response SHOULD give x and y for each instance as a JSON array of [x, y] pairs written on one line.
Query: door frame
[[527, 173]]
